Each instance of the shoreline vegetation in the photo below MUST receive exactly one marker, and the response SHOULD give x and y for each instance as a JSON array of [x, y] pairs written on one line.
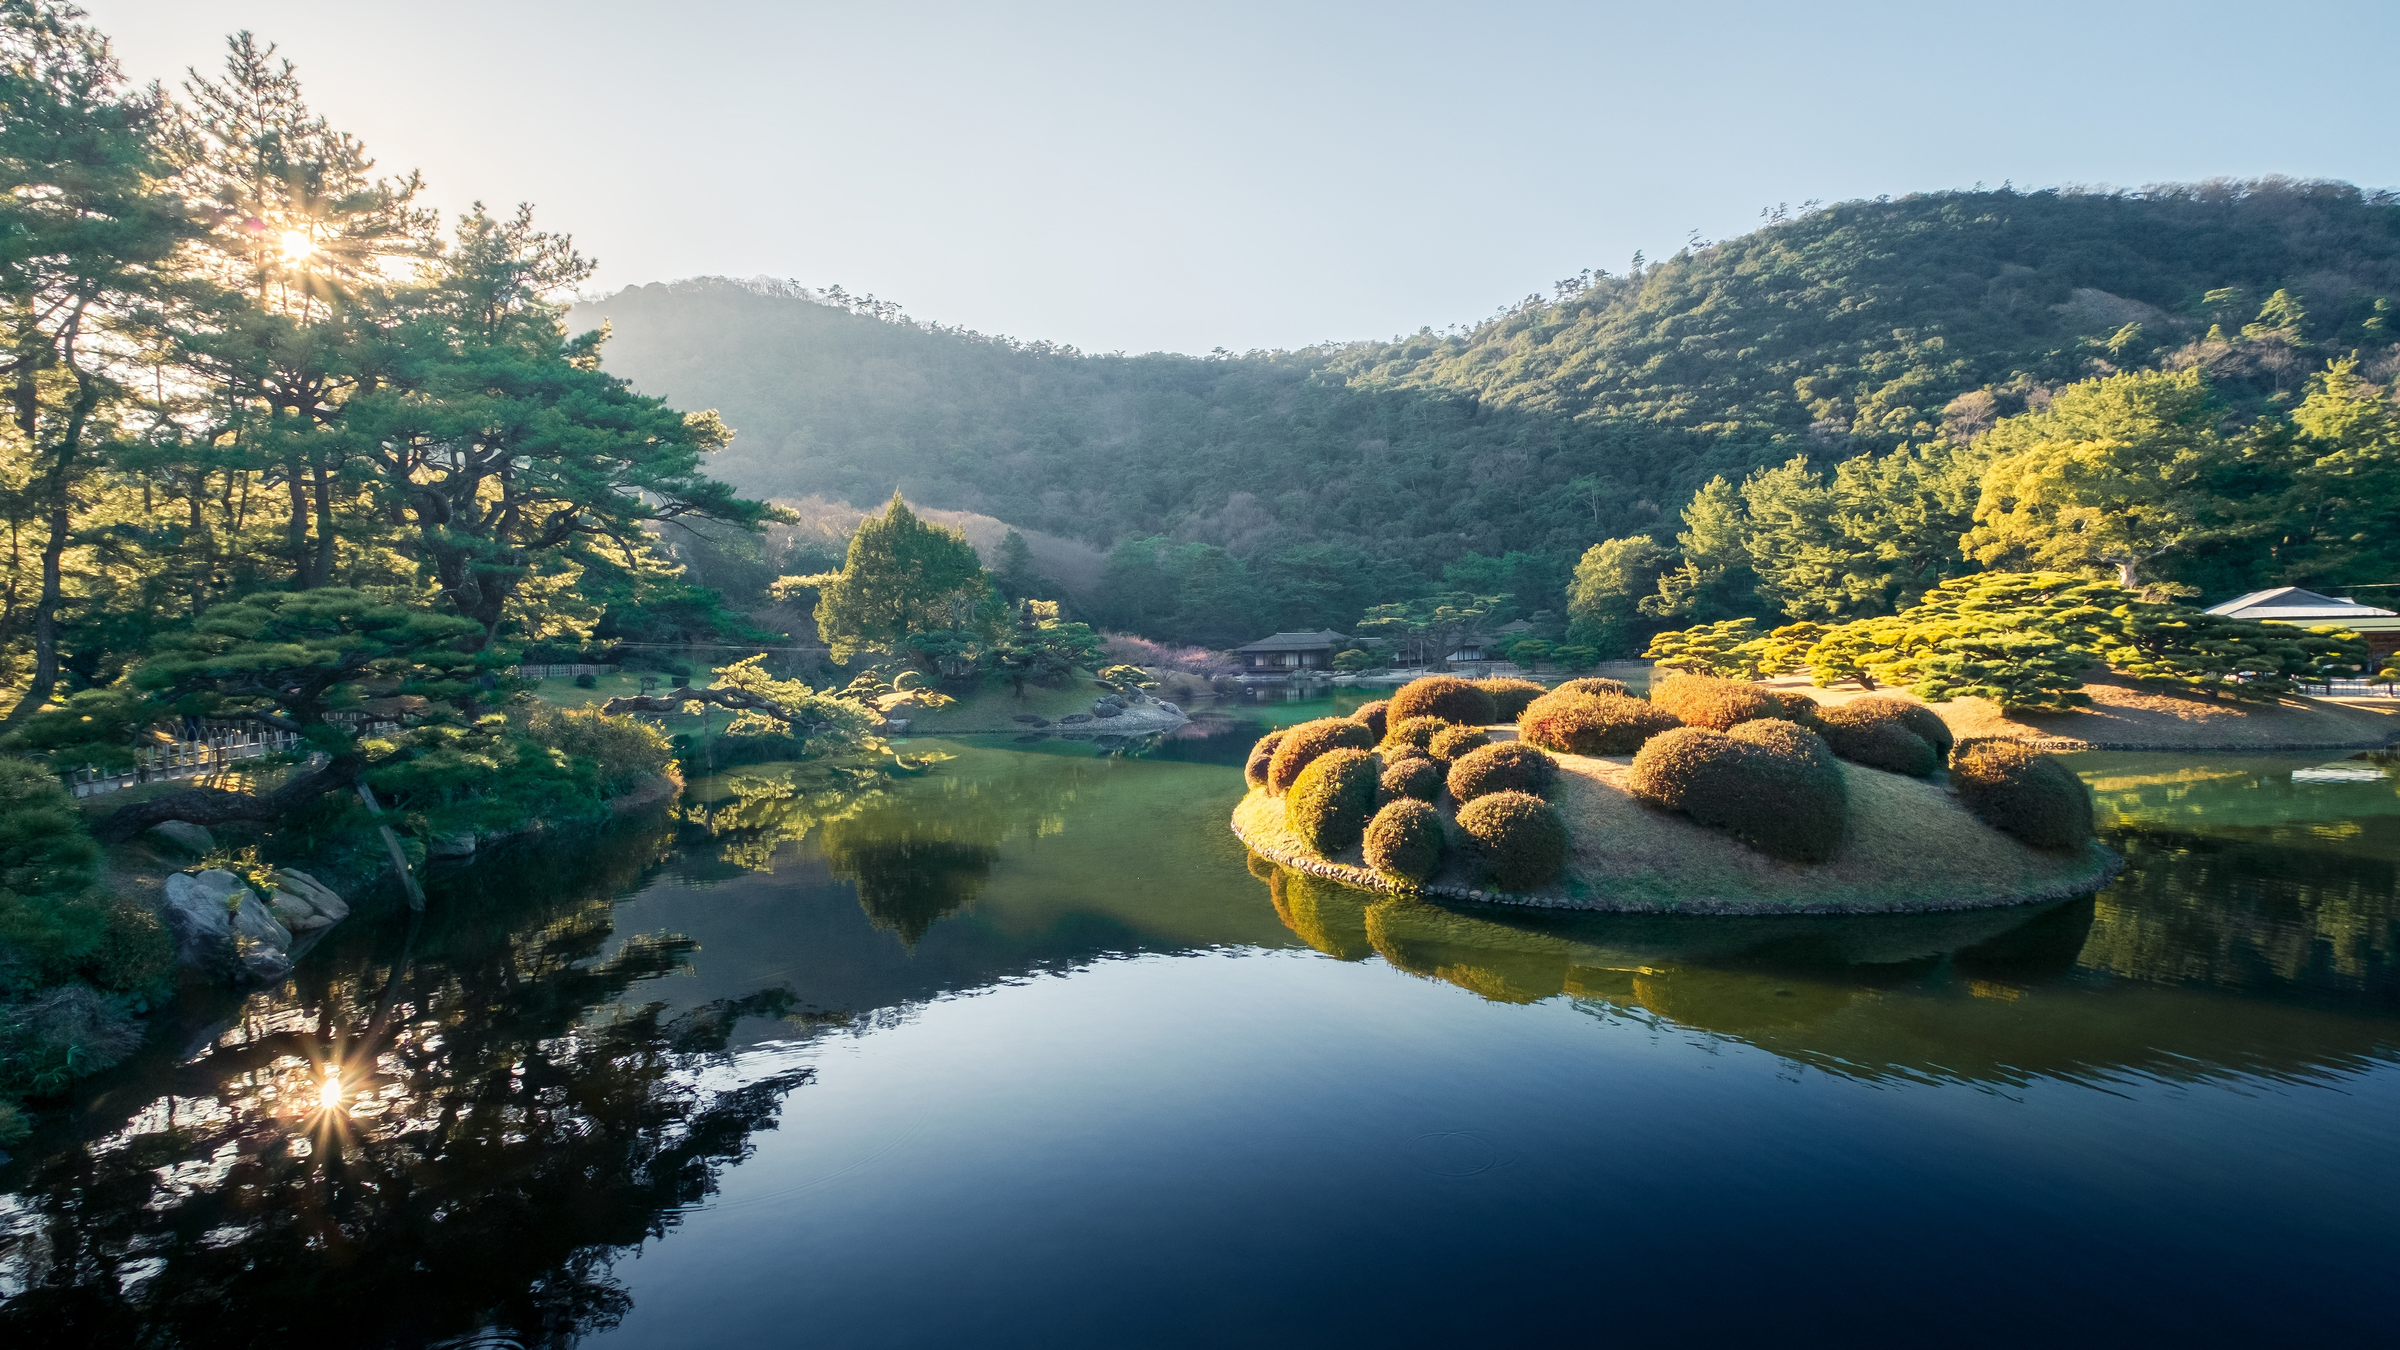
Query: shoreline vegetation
[[2124, 716]]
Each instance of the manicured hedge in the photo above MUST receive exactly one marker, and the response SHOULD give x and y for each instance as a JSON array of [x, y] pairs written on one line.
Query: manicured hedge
[[1445, 696], [1308, 740], [1592, 684], [1929, 725], [1876, 732], [1775, 786], [1448, 746], [1520, 838], [1261, 754], [1373, 715], [1405, 839], [1511, 766], [1717, 704], [2024, 792], [1415, 732], [1416, 776], [1577, 723], [1509, 697], [1333, 799]]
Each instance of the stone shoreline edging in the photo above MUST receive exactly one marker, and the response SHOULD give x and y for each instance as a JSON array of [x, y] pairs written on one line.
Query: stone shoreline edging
[[2056, 746], [2111, 863]]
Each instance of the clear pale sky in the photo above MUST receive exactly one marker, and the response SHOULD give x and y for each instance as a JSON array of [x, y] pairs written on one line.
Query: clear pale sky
[[1148, 177]]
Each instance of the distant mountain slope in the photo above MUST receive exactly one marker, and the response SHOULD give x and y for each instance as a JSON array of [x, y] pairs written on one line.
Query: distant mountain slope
[[1589, 414]]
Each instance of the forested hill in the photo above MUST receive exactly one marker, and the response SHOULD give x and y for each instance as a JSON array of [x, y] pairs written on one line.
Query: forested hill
[[1591, 412]]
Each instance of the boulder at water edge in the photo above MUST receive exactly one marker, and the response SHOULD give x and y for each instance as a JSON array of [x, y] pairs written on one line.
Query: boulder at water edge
[[217, 919]]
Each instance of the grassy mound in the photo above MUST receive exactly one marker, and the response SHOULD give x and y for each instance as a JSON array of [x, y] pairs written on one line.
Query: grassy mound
[[1773, 785], [1416, 776], [2025, 792], [1405, 840], [1372, 715], [1717, 704], [1444, 696], [1877, 732], [1517, 836], [1304, 743], [1415, 733], [1509, 697], [1450, 745], [1583, 723], [1333, 798], [1262, 754], [1511, 766]]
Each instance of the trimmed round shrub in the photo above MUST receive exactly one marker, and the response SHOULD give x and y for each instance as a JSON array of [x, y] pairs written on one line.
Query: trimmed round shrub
[[1333, 798], [1261, 754], [1449, 745], [1405, 839], [1509, 696], [1520, 838], [1717, 704], [1372, 714], [2024, 792], [1928, 725], [1444, 696], [1593, 724], [1303, 743], [1415, 733], [1770, 784], [1872, 731], [1592, 684], [1416, 776], [1510, 766]]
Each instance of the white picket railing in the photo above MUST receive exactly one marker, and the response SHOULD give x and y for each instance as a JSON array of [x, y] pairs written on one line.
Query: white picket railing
[[217, 747], [559, 671]]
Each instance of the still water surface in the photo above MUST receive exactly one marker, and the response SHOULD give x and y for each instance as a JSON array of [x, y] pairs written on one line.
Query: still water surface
[[1029, 1051]]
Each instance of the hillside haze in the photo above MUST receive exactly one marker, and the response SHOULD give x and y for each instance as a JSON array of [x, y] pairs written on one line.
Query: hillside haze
[[1588, 412]]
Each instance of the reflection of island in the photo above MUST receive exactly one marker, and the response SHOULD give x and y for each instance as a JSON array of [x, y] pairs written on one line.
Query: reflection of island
[[2287, 968], [508, 1128]]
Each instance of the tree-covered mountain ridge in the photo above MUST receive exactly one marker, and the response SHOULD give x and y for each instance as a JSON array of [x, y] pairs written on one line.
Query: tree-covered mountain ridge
[[1349, 474]]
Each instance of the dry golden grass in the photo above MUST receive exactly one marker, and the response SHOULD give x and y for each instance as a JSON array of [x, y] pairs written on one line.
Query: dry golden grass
[[2124, 717]]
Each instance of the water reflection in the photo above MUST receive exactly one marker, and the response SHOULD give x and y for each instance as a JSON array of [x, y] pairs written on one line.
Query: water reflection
[[2254, 930], [457, 1135]]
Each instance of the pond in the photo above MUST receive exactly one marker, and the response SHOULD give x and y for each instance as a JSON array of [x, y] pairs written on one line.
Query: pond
[[1029, 1051]]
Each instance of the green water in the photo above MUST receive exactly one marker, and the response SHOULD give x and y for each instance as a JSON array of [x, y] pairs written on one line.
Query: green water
[[1029, 1050]]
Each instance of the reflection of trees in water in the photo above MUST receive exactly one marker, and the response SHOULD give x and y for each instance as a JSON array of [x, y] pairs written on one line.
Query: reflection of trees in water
[[511, 1127], [919, 850], [2273, 914], [1990, 996]]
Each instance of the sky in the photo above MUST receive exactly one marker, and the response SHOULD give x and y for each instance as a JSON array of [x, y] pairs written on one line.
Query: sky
[[1131, 177]]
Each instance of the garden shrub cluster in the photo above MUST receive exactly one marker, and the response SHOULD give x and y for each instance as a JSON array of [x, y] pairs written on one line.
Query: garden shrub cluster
[[1879, 733], [2024, 792], [1593, 684], [1405, 839], [1717, 704], [1372, 714], [1262, 753], [1775, 786], [1580, 723], [1304, 743], [1450, 744], [1444, 696], [1415, 733], [1519, 838], [1509, 696], [1332, 799], [1510, 766], [1413, 776]]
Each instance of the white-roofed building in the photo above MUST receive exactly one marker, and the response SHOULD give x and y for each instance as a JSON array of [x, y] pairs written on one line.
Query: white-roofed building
[[2307, 609]]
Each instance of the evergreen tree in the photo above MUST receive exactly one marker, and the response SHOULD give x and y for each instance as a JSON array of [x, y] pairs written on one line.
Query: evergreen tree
[[903, 576], [1603, 601]]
